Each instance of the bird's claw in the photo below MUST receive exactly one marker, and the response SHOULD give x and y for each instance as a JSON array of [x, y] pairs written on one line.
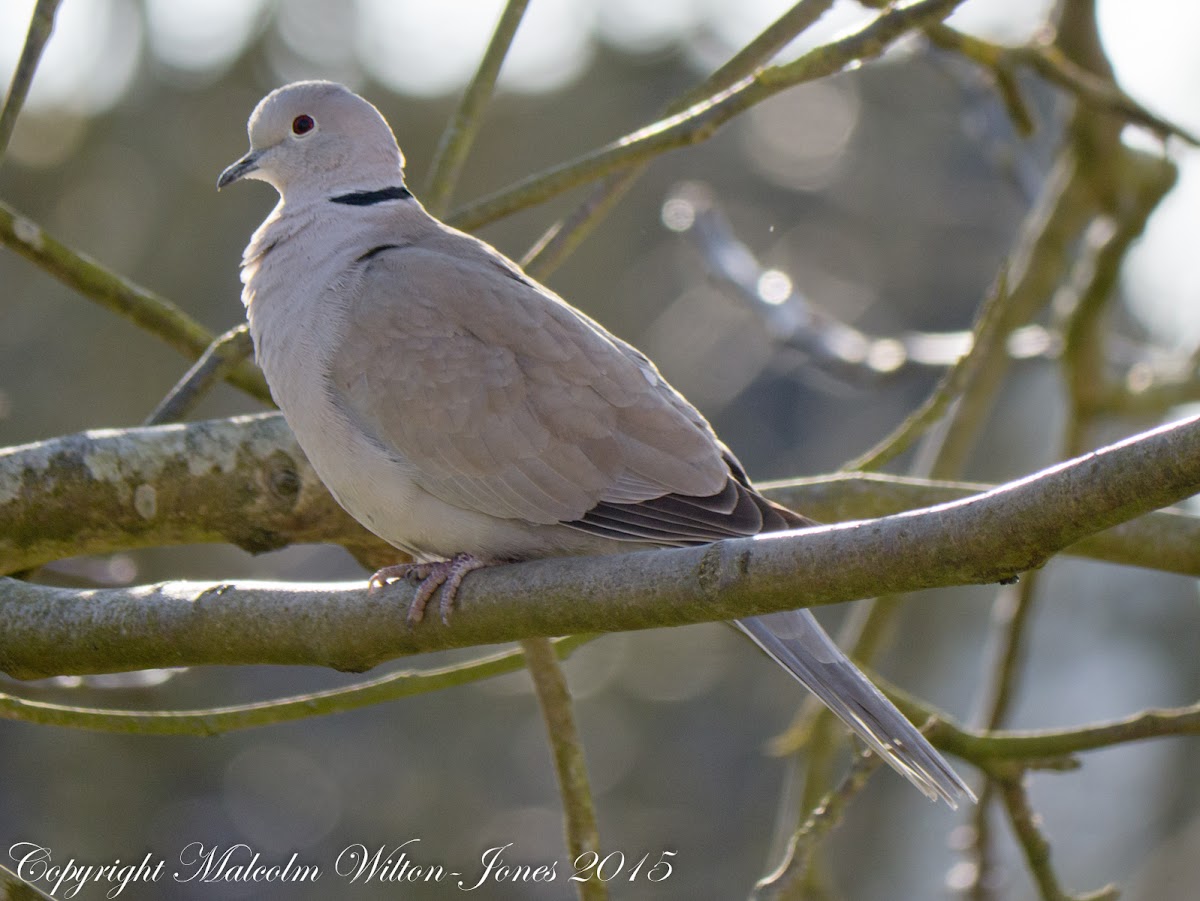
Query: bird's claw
[[444, 574]]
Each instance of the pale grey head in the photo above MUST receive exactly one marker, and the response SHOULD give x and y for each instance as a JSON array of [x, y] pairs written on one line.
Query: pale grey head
[[318, 136]]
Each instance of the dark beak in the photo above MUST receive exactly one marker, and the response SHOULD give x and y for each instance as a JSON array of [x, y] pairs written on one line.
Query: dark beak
[[244, 166]]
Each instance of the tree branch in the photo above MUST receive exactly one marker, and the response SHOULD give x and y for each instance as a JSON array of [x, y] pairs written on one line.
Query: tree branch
[[950, 388], [460, 132], [245, 481], [41, 24], [119, 295], [701, 121], [567, 233], [579, 811], [985, 538], [226, 352], [1053, 65], [219, 720], [786, 880], [987, 749], [1036, 847], [14, 888]]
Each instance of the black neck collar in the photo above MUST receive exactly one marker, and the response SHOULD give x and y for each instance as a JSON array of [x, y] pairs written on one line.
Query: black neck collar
[[367, 198]]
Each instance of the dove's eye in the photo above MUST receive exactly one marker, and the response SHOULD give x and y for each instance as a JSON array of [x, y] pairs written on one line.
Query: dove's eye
[[302, 125]]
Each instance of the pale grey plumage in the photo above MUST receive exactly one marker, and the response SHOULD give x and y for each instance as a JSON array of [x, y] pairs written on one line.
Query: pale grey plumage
[[455, 406]]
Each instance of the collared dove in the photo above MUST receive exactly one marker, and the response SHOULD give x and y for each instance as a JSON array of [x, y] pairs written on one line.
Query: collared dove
[[468, 415]]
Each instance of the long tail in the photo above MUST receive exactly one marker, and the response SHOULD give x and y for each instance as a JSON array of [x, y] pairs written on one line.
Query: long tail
[[795, 640]]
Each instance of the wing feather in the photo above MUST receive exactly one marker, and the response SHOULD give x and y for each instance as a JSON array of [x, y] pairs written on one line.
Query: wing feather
[[500, 398]]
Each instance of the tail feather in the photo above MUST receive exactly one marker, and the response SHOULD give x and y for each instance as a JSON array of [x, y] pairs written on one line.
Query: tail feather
[[795, 640]]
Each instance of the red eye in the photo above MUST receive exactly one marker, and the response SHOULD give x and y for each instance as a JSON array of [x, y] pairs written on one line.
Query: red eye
[[302, 125]]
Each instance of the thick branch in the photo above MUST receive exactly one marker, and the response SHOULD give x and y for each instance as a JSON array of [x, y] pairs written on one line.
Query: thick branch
[[986, 538], [14, 888], [245, 481]]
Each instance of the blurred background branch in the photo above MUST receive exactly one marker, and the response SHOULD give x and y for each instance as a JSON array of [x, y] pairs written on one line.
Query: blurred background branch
[[460, 131], [226, 352], [557, 242], [579, 811], [1027, 828], [41, 24], [117, 294], [219, 720], [701, 120]]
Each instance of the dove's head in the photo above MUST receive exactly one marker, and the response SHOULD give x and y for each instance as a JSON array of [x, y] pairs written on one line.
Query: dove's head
[[318, 137]]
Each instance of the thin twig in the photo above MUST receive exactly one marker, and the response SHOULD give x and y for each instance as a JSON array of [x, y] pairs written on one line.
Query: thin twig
[[460, 131], [226, 352], [702, 120], [1092, 288], [981, 847], [1080, 305], [991, 749], [1036, 847], [785, 882], [219, 720], [41, 24], [579, 812], [119, 295], [1035, 269], [1050, 62], [953, 385], [567, 234], [1011, 612], [1140, 393]]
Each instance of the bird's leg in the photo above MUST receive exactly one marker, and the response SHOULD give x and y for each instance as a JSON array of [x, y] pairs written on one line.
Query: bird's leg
[[445, 574], [459, 567]]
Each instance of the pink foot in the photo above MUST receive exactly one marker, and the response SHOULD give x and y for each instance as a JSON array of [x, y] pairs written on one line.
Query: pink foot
[[445, 574]]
